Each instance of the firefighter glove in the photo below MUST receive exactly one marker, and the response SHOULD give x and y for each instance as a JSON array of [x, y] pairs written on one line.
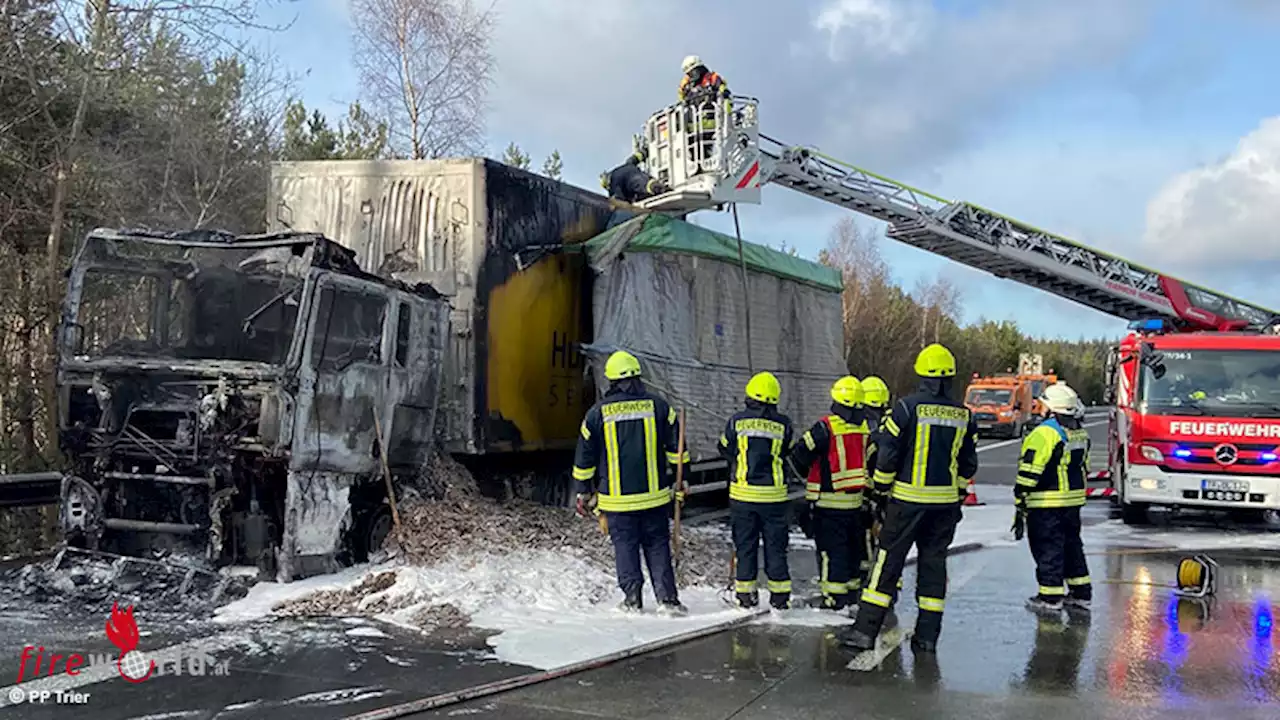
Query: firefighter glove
[[1019, 523], [586, 504]]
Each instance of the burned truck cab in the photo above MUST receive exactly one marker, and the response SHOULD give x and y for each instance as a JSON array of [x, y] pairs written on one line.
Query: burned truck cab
[[240, 400]]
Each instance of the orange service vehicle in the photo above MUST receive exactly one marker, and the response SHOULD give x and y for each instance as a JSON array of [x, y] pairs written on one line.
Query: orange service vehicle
[[1001, 404]]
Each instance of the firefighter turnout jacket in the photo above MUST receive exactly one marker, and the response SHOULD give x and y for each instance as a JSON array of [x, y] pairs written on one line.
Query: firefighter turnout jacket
[[629, 183], [710, 84], [627, 444], [834, 454], [755, 442], [928, 449], [1053, 466]]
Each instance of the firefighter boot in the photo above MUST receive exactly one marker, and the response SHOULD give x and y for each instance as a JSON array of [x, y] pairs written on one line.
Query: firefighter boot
[[928, 628], [871, 621], [922, 645], [1044, 604], [834, 602], [748, 600], [632, 602], [672, 608], [1077, 603], [856, 640], [780, 600]]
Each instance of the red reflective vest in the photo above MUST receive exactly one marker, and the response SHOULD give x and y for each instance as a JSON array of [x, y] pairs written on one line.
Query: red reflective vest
[[847, 462], [710, 81]]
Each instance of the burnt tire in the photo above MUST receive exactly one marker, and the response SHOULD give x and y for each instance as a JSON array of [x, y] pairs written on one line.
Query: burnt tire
[[371, 533]]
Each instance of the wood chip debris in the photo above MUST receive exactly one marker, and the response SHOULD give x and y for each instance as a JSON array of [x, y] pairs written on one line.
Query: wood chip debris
[[459, 520]]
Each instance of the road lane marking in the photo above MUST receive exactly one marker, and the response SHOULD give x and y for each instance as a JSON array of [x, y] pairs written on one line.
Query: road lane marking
[[1005, 443]]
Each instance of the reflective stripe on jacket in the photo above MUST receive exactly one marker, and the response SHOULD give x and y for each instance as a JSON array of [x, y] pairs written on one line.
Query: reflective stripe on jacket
[[928, 449], [634, 437], [834, 450], [755, 441], [1053, 466]]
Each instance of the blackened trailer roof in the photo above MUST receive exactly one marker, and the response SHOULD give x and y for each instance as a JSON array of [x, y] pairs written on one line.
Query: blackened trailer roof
[[327, 255]]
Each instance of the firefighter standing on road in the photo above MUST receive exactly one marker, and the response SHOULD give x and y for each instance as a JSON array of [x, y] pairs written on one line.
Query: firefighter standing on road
[[755, 442], [875, 399], [1052, 470], [923, 462], [627, 446], [832, 454]]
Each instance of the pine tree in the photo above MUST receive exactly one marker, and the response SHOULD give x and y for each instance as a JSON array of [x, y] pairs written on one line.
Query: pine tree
[[515, 157], [552, 167]]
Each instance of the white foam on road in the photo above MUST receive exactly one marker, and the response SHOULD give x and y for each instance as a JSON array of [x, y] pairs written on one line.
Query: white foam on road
[[549, 608]]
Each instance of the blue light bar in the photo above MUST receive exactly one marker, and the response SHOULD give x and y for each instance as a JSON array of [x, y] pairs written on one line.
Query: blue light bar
[[1182, 453], [1149, 325], [1268, 456]]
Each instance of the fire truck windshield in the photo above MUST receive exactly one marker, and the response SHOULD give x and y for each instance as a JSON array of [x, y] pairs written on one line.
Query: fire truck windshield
[[1213, 382], [988, 396]]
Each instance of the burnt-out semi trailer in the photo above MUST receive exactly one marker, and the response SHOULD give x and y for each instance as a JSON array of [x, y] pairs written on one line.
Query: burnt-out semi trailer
[[543, 276], [490, 239]]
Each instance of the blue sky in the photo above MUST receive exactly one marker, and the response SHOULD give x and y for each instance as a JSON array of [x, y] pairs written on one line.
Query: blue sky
[[1138, 127]]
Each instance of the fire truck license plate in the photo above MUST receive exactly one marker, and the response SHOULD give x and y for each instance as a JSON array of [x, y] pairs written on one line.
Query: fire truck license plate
[[1235, 486]]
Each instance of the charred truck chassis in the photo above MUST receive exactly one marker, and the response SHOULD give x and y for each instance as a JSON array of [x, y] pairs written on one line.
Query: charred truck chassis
[[224, 399]]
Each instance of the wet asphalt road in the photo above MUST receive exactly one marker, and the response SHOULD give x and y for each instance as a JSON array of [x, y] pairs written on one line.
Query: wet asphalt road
[[998, 458], [1143, 654]]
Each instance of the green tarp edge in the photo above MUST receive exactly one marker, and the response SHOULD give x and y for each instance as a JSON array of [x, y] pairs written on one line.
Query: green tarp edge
[[664, 234]]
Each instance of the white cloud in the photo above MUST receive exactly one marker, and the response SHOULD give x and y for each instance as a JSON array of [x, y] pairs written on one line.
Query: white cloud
[[1222, 218], [876, 25]]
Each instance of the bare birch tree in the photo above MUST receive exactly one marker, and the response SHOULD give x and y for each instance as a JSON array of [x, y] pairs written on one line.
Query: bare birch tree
[[425, 66]]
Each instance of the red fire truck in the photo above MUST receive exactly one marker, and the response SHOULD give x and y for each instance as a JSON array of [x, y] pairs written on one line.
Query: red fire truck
[[1196, 416]]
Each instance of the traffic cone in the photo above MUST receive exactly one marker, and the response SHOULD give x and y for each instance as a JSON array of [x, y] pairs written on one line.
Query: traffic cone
[[972, 497]]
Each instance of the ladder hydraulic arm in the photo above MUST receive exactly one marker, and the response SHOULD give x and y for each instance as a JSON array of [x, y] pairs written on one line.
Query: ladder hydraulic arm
[[714, 155]]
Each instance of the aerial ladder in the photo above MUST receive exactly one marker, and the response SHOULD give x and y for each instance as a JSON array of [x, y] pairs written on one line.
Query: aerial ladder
[[712, 154]]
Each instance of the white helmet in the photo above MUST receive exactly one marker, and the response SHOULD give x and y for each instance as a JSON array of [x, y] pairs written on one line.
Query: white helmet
[[1061, 399], [690, 62]]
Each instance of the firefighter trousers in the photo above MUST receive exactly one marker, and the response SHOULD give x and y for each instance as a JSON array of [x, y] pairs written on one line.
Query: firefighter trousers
[[841, 542], [646, 531], [930, 528], [752, 522], [1061, 568], [867, 520]]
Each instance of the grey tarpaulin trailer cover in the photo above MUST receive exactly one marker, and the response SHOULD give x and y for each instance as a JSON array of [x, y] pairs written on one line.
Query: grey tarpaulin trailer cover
[[671, 293]]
